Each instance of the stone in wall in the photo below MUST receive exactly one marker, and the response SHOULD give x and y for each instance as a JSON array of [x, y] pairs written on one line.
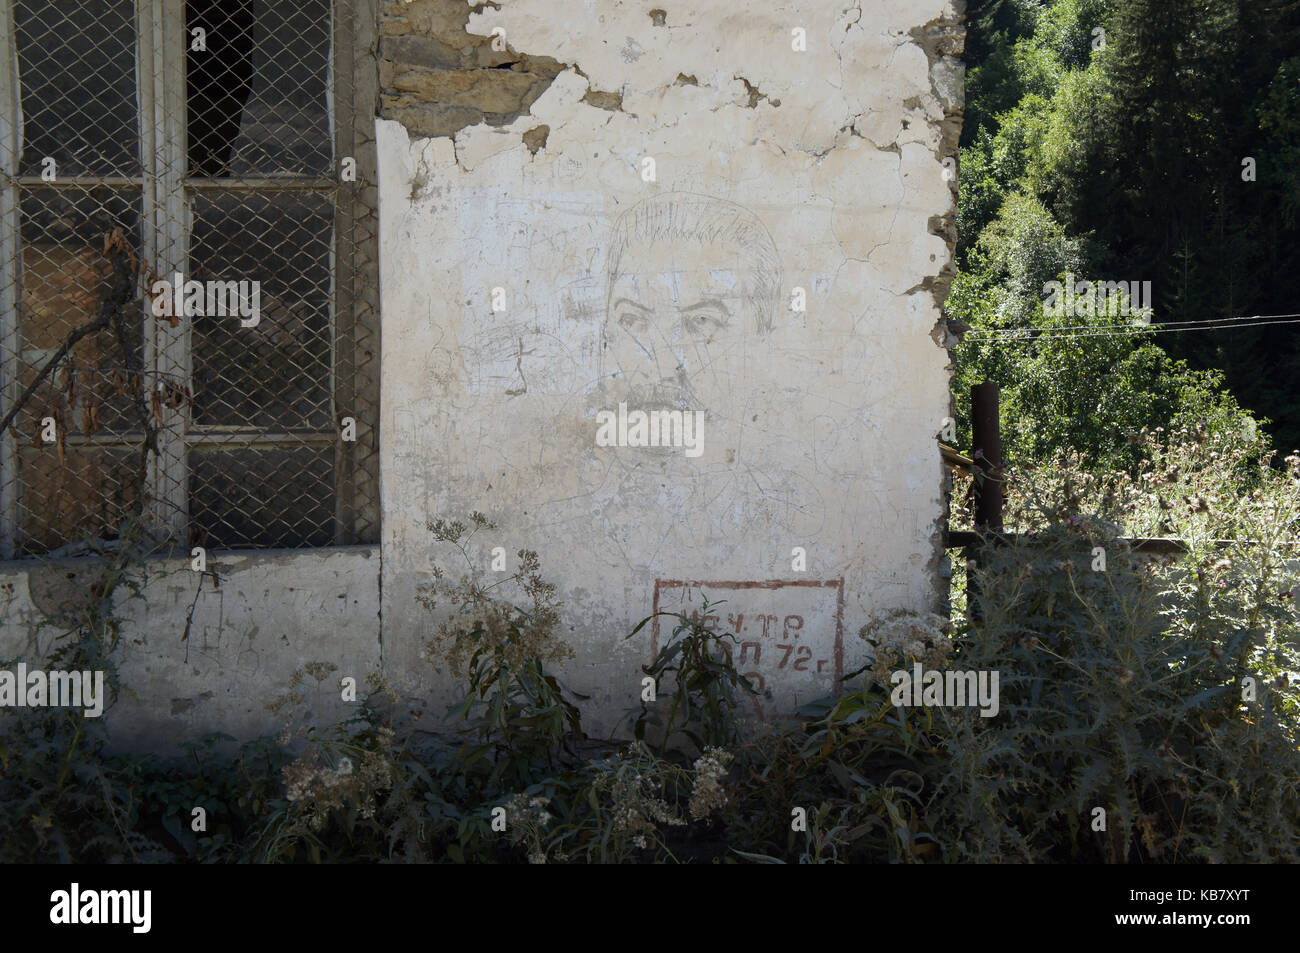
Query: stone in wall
[[437, 78]]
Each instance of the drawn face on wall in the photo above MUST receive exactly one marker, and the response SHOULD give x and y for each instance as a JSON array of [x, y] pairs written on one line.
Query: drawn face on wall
[[691, 279]]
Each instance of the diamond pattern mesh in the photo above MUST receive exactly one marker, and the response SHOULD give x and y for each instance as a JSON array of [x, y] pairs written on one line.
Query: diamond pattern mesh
[[216, 160], [273, 497], [65, 277], [276, 375], [257, 87], [76, 62], [76, 493]]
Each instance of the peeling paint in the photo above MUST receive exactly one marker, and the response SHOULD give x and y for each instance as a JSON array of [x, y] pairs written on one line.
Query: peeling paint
[[516, 161], [823, 434], [613, 102], [535, 138], [755, 97], [436, 77]]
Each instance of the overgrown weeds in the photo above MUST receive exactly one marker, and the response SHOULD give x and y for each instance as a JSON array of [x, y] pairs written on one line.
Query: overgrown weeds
[[1148, 714]]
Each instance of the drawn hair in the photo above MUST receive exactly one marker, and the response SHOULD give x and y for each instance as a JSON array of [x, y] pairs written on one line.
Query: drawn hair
[[687, 217]]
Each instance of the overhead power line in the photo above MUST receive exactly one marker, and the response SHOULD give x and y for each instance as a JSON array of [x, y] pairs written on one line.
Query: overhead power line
[[1124, 330]]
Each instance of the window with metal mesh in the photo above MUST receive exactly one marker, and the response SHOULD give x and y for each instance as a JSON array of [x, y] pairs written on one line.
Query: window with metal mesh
[[188, 273]]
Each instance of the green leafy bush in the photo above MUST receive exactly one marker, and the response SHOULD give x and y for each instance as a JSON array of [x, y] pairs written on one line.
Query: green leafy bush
[[695, 665], [1163, 692]]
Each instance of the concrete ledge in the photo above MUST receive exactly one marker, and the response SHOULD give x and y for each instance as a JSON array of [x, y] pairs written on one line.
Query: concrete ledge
[[269, 613]]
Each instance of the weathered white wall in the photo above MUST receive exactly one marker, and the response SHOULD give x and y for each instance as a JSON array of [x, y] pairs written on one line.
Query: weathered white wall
[[272, 613], [820, 170], [775, 170]]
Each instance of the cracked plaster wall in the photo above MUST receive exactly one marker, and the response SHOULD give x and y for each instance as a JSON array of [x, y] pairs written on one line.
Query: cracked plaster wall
[[270, 614], [510, 169]]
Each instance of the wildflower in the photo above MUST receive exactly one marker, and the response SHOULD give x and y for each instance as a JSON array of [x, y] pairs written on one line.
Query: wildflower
[[707, 795], [922, 637], [320, 670], [528, 817]]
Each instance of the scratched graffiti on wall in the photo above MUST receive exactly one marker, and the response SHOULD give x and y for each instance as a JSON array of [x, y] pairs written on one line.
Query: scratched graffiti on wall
[[689, 280], [693, 288]]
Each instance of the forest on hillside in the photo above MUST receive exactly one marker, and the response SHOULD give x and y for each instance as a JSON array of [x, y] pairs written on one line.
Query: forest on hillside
[[1131, 141]]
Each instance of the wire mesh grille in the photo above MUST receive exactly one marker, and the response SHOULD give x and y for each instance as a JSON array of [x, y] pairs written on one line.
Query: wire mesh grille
[[66, 276], [196, 325], [77, 67], [276, 497], [76, 494], [276, 375], [257, 77]]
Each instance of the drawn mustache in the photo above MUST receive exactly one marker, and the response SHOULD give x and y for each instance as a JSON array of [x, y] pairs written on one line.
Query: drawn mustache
[[663, 395], [637, 391]]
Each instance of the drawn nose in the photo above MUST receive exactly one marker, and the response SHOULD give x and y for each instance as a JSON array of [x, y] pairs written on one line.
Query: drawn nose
[[648, 355]]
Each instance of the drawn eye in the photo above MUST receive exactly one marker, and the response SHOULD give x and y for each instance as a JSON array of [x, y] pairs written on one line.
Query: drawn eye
[[633, 321], [703, 323]]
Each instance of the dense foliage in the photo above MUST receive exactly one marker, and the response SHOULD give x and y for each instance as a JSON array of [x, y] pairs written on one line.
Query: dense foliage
[[1106, 138], [1123, 690]]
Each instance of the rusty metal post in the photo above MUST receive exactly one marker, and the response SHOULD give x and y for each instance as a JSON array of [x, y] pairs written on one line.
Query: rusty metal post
[[986, 437], [987, 452]]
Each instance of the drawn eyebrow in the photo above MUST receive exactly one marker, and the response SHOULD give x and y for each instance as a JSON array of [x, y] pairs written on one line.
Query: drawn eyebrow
[[715, 303], [631, 302]]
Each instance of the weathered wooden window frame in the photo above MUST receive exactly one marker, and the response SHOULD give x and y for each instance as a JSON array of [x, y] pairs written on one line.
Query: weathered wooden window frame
[[167, 193]]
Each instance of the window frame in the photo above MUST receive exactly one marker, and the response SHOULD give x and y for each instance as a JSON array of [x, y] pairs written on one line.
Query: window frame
[[167, 193]]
